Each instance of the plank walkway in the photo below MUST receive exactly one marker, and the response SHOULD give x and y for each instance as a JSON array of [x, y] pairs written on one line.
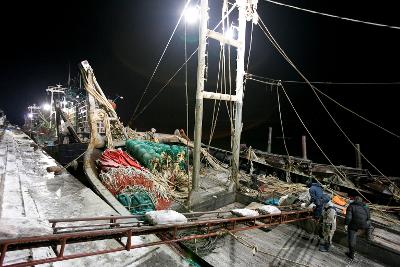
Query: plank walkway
[[283, 241]]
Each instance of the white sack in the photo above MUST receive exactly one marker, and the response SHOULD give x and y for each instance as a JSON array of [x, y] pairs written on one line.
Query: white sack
[[245, 212], [269, 209], [157, 217]]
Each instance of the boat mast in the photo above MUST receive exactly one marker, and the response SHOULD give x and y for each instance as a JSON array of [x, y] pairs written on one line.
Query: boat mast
[[199, 96], [246, 11], [242, 4]]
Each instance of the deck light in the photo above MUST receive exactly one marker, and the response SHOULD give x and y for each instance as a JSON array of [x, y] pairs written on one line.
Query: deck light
[[30, 115], [192, 14]]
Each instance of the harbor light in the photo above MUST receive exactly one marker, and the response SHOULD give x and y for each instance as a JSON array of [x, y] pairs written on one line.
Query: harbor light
[[46, 106], [192, 14]]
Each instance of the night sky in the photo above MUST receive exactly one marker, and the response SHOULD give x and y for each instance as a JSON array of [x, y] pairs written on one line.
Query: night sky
[[122, 40]]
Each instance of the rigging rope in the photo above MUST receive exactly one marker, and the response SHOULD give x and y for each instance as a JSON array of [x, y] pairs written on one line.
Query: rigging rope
[[283, 134], [273, 81], [179, 69], [282, 52], [215, 115], [255, 249], [316, 143], [187, 112], [159, 61], [347, 83], [250, 46], [334, 16], [222, 82], [165, 85]]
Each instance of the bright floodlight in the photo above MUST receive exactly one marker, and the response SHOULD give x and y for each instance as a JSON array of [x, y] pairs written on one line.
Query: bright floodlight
[[46, 106], [230, 33], [30, 115], [191, 14]]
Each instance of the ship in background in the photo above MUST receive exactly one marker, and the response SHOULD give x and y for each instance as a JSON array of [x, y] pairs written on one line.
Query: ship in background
[[60, 123]]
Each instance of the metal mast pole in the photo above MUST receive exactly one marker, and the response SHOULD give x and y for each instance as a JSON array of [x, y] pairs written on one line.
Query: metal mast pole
[[239, 89], [199, 92]]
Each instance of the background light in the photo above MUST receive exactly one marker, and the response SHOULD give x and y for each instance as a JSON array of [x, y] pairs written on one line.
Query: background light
[[192, 14], [46, 106], [30, 115]]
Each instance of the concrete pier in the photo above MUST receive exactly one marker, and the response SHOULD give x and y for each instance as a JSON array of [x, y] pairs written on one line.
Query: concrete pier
[[29, 196]]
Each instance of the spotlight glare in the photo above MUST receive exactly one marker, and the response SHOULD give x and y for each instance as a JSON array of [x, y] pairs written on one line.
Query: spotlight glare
[[230, 33], [191, 15]]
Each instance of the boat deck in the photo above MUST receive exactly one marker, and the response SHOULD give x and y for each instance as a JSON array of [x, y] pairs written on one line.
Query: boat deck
[[281, 246]]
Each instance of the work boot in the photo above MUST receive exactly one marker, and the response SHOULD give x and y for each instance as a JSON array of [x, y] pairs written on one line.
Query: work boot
[[323, 248], [350, 255], [370, 230]]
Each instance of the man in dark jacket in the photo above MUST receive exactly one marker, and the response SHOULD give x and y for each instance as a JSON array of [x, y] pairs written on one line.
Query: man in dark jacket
[[316, 194], [357, 217]]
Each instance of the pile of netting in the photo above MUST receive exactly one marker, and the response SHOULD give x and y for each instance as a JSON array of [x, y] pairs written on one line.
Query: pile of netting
[[265, 186], [157, 156], [202, 246], [133, 185]]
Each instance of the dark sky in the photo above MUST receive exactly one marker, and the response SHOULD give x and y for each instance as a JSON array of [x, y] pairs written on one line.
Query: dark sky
[[123, 40]]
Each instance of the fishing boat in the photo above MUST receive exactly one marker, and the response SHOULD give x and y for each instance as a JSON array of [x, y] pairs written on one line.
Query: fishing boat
[[142, 171]]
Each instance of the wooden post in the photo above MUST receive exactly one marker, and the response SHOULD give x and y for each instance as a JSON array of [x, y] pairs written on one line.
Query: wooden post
[[358, 157], [239, 90], [304, 146], [199, 92], [269, 139]]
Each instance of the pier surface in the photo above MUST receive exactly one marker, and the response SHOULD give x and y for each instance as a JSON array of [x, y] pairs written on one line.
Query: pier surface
[[29, 196]]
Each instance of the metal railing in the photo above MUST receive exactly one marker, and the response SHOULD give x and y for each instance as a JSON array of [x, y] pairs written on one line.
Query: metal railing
[[119, 227]]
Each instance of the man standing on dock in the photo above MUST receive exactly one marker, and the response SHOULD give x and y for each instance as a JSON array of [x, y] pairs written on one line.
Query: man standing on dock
[[316, 193], [357, 218], [328, 225]]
